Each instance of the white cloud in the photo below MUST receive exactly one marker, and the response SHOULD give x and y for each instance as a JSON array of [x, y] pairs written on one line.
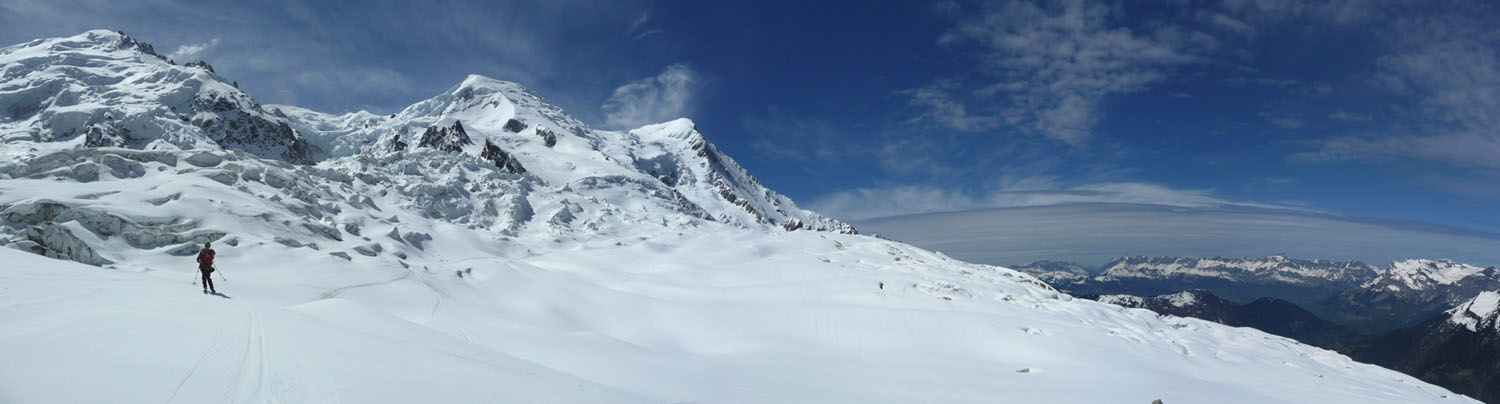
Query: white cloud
[[1347, 116], [1231, 24], [1335, 11], [868, 203], [1467, 149], [1050, 66], [638, 23], [1449, 67], [191, 52], [663, 97], [638, 28], [943, 106], [1287, 123], [1092, 234]]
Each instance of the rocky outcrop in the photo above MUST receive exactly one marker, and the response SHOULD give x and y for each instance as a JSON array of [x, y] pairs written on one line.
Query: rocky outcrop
[[514, 126], [502, 160], [450, 139]]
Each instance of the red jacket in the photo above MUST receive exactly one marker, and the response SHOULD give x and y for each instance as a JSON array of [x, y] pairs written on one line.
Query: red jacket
[[206, 258]]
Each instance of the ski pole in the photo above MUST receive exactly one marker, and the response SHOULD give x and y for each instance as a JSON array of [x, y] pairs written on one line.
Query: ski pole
[[221, 275]]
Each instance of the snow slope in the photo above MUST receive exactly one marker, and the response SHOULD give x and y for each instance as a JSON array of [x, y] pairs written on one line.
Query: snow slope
[[724, 316], [593, 266]]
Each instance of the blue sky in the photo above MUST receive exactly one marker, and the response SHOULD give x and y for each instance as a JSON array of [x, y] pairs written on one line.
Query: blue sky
[[1381, 109]]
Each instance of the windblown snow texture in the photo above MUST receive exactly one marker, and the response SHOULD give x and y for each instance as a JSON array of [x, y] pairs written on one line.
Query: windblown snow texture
[[633, 266]]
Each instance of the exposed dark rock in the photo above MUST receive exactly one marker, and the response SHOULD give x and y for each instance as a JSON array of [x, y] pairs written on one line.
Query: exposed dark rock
[[514, 126], [126, 42], [548, 138], [502, 160], [451, 139], [103, 135], [397, 144], [233, 125], [203, 65]]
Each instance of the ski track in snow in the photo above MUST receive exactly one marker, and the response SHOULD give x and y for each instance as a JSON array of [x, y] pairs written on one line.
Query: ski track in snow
[[199, 363]]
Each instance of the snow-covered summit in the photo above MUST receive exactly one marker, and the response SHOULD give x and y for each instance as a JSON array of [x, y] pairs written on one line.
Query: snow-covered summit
[[103, 88], [524, 132], [1421, 274], [1478, 313]]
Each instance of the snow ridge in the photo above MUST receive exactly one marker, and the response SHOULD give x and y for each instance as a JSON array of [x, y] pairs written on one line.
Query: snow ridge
[[1481, 312], [1422, 274]]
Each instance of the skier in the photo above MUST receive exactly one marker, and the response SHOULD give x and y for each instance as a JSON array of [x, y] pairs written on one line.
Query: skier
[[206, 266]]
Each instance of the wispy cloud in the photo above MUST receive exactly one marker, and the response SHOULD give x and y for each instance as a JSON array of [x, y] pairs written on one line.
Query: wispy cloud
[[192, 51], [1048, 67], [868, 203], [660, 98], [1231, 24], [1446, 70], [638, 23], [787, 138], [942, 104], [638, 29]]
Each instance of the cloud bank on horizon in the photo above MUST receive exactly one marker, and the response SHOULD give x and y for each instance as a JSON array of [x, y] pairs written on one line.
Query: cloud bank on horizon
[[1370, 109], [1092, 233]]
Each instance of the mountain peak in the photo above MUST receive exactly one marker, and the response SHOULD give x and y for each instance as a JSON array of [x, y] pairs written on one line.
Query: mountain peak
[[1418, 274], [476, 81], [100, 39], [132, 97], [1479, 312]]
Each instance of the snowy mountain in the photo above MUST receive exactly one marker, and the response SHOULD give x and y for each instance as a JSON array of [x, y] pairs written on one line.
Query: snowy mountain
[[1269, 270], [1477, 314], [103, 88], [1410, 291], [1457, 348], [1241, 279], [1056, 273], [519, 130], [482, 246]]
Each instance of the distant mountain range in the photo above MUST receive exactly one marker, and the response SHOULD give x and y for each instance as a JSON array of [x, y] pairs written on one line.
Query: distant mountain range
[[1408, 292], [1437, 320], [1349, 293]]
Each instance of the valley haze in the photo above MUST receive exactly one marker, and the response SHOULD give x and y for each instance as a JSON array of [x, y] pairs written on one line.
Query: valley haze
[[1092, 234]]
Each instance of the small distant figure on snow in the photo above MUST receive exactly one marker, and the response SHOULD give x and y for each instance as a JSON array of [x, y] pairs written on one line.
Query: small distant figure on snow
[[206, 266]]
